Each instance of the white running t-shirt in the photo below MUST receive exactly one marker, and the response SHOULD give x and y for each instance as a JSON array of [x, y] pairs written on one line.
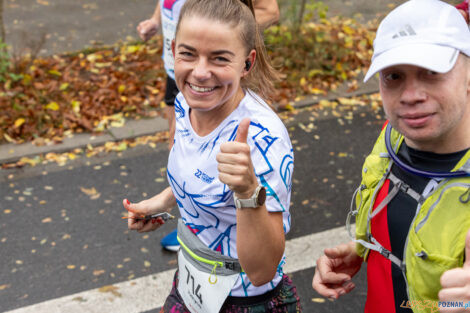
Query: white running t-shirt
[[206, 205]]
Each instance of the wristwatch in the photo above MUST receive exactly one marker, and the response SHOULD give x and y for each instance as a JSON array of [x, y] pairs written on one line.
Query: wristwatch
[[257, 199]]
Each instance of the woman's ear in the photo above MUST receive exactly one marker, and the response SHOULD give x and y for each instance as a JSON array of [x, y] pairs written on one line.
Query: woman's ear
[[249, 62]]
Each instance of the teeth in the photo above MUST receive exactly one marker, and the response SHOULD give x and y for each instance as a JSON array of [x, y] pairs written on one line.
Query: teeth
[[200, 89]]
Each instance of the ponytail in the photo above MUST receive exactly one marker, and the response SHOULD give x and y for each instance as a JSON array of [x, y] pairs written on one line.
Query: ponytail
[[263, 75]]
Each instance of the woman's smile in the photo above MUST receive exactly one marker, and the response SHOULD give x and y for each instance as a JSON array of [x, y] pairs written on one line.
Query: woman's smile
[[201, 89]]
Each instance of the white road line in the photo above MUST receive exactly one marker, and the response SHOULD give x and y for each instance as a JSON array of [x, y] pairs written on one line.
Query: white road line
[[149, 292]]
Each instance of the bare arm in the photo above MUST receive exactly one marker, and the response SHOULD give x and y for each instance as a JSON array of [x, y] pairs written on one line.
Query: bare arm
[[266, 12], [260, 234], [164, 201], [260, 243], [149, 27]]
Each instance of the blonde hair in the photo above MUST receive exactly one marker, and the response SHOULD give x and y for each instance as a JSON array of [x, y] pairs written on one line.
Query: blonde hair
[[240, 15]]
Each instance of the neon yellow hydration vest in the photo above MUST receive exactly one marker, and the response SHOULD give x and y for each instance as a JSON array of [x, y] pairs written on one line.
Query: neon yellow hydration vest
[[436, 239]]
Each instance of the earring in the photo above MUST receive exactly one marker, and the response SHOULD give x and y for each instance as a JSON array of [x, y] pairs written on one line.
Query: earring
[[247, 65]]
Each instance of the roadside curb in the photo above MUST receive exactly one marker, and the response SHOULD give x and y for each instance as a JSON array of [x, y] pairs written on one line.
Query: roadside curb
[[133, 128], [10, 153]]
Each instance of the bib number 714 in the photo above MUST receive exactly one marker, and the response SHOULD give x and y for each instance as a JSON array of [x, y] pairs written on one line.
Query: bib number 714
[[195, 287]]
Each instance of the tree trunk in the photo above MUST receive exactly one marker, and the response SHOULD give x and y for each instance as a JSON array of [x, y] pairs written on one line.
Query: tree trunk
[[301, 12], [2, 27]]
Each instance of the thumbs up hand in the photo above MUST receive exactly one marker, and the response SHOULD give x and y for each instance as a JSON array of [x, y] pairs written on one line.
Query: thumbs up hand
[[234, 163], [456, 282]]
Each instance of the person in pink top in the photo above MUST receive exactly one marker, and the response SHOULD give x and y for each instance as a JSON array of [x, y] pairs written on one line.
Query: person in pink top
[[463, 8]]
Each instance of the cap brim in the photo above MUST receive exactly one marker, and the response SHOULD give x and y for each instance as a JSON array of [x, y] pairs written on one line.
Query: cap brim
[[433, 57]]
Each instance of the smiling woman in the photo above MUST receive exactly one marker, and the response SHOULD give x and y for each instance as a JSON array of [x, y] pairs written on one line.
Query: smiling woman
[[215, 50], [227, 168], [209, 66]]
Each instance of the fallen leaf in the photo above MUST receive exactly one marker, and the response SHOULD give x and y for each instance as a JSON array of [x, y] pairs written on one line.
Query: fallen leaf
[[98, 272], [52, 106], [79, 299], [19, 122], [3, 287], [112, 289], [91, 192]]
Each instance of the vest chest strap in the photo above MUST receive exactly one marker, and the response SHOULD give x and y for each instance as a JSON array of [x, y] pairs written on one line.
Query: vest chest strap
[[406, 188], [376, 246]]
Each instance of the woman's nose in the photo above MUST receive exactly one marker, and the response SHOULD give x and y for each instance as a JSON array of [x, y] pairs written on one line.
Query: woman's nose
[[201, 70]]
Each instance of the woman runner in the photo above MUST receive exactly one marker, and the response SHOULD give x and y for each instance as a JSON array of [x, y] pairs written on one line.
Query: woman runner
[[229, 169]]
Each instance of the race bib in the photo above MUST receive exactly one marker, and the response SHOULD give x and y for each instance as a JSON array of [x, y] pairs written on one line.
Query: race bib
[[202, 292]]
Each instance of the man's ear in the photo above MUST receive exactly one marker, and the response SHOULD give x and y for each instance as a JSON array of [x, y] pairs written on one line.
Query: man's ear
[[249, 63], [173, 48]]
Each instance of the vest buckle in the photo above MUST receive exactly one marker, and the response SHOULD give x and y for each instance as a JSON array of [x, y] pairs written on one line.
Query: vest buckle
[[385, 252], [403, 187]]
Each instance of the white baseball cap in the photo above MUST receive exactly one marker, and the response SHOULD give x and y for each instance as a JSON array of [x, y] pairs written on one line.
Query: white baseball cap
[[424, 33]]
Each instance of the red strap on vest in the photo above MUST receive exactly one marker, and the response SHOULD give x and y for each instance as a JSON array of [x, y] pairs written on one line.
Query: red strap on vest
[[380, 297]]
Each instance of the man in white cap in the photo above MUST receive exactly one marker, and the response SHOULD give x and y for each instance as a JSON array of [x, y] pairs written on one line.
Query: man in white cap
[[412, 208]]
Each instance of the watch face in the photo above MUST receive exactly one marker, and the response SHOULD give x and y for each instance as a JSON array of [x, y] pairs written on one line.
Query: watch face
[[261, 196]]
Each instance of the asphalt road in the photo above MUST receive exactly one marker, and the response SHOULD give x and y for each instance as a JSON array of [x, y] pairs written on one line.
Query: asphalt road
[[61, 231]]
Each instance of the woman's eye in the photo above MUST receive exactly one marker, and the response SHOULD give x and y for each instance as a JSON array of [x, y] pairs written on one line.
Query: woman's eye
[[221, 59], [431, 73]]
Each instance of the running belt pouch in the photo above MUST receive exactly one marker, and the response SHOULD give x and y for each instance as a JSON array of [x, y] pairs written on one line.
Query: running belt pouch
[[193, 243]]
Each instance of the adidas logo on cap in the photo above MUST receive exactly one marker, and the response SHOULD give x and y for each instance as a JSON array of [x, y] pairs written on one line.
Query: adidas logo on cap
[[407, 30]]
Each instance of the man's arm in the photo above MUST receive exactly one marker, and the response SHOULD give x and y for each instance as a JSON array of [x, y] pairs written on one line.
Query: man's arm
[[149, 27], [266, 12]]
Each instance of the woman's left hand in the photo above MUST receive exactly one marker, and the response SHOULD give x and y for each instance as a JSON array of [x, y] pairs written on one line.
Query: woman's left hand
[[235, 166]]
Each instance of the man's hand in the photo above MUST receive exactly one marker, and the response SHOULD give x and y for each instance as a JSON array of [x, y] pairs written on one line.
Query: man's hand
[[235, 166], [335, 270], [456, 282], [148, 28]]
